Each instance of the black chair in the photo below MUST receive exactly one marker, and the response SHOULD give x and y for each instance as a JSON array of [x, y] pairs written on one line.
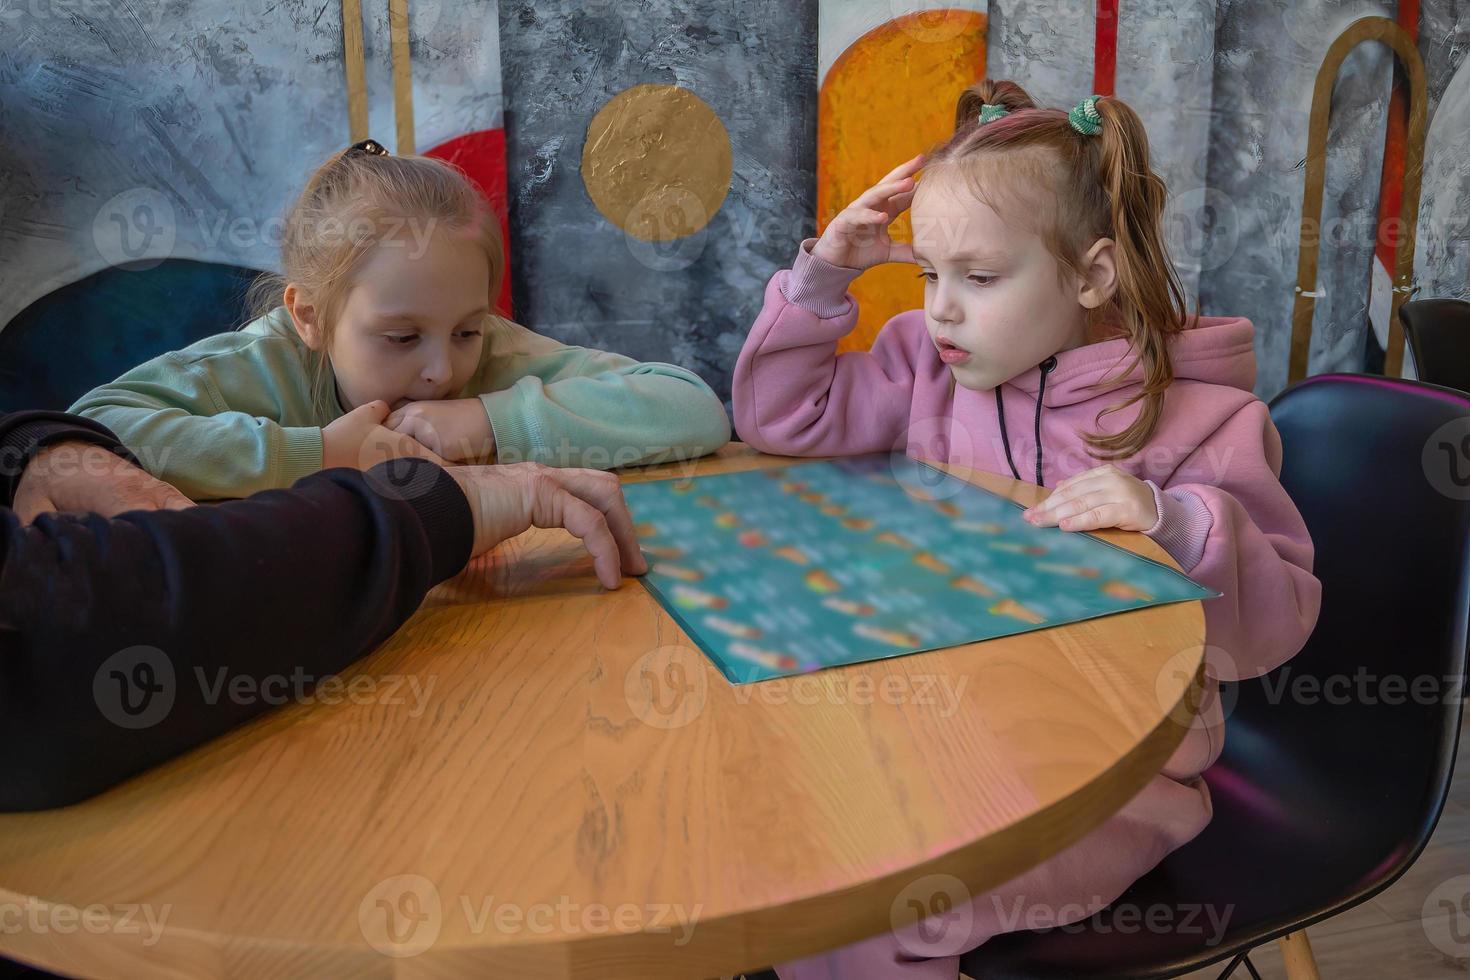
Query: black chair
[[1320, 803], [90, 331], [1438, 334]]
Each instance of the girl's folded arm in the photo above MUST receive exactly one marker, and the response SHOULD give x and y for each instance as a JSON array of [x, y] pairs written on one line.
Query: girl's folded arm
[[574, 406], [1231, 526], [173, 416], [794, 395]]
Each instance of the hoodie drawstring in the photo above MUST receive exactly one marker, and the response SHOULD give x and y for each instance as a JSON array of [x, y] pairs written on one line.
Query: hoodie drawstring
[[1047, 366]]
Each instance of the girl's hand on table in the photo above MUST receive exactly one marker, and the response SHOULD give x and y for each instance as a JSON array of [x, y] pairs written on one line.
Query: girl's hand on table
[[1099, 498]]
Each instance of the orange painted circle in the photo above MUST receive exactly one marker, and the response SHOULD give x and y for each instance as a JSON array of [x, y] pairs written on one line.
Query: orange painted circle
[[888, 98]]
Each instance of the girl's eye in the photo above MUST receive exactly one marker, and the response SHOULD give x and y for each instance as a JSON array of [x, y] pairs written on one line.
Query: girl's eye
[[400, 339], [468, 334], [929, 276], [983, 280]]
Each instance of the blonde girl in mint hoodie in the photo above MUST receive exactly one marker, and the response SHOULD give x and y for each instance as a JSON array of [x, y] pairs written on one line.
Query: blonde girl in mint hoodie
[[378, 340], [1053, 347]]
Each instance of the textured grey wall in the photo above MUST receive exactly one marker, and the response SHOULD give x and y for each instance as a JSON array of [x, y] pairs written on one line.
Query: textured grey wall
[[208, 116], [1266, 61], [577, 277], [1442, 258], [1225, 89], [205, 115]]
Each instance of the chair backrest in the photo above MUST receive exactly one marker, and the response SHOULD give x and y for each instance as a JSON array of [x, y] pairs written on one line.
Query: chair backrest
[[1438, 334], [1370, 708], [88, 332]]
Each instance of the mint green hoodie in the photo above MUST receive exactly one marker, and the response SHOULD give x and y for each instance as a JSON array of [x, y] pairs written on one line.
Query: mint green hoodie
[[236, 413]]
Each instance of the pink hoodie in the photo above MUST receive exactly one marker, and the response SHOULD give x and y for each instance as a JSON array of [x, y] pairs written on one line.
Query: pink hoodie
[[1213, 460], [1212, 463]]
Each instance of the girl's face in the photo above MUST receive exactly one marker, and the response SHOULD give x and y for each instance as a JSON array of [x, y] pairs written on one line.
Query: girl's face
[[412, 327], [993, 302]]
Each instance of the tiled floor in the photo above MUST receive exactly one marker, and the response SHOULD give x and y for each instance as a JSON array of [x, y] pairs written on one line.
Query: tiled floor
[[1389, 938]]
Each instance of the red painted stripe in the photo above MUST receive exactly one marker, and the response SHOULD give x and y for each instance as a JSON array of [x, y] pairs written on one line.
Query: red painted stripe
[[1391, 184], [482, 156], [1105, 58]]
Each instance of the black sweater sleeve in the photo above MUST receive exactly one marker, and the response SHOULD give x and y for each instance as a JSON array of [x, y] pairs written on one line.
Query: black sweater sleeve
[[23, 434], [115, 635]]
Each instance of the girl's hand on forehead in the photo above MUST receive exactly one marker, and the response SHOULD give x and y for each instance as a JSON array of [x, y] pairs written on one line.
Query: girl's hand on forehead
[[457, 429], [1099, 498], [858, 237]]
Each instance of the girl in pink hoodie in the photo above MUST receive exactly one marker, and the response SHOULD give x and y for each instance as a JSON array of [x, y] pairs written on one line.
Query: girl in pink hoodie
[[1053, 346]]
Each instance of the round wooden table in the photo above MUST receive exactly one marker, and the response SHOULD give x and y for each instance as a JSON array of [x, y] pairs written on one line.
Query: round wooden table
[[537, 778]]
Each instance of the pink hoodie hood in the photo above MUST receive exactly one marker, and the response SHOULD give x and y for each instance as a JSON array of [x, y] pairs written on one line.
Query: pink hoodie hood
[[1218, 350]]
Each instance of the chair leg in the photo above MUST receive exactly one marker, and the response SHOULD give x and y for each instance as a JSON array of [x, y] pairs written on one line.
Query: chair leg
[[1296, 950]]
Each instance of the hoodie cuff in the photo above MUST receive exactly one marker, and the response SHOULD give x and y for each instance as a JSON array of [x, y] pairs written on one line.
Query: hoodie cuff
[[440, 505], [818, 286], [1183, 526], [300, 454], [517, 437]]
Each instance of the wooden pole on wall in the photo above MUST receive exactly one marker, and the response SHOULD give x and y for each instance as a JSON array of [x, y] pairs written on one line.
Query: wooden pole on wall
[[402, 75], [357, 109], [1367, 29]]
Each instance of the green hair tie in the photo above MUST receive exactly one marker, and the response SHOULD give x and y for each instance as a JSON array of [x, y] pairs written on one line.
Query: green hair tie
[[990, 113], [1084, 118]]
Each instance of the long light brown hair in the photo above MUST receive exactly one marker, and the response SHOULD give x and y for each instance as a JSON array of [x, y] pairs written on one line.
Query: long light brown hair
[[351, 204], [1099, 187]]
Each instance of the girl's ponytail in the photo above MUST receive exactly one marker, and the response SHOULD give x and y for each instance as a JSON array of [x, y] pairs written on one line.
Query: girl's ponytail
[[1149, 299], [1008, 95]]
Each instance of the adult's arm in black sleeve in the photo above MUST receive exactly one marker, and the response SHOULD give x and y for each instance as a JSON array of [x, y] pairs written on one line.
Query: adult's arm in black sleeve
[[287, 582], [23, 434]]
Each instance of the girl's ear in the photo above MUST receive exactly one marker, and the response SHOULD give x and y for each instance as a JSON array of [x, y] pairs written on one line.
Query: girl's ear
[[1099, 274], [304, 317]]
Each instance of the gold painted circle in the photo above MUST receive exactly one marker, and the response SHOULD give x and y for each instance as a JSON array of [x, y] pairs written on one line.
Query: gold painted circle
[[657, 162]]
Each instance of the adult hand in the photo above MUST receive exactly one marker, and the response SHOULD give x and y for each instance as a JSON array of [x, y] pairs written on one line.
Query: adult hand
[[86, 478], [506, 500]]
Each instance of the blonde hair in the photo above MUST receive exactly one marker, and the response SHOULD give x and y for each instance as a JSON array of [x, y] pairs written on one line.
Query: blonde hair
[[351, 204], [1101, 187]]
